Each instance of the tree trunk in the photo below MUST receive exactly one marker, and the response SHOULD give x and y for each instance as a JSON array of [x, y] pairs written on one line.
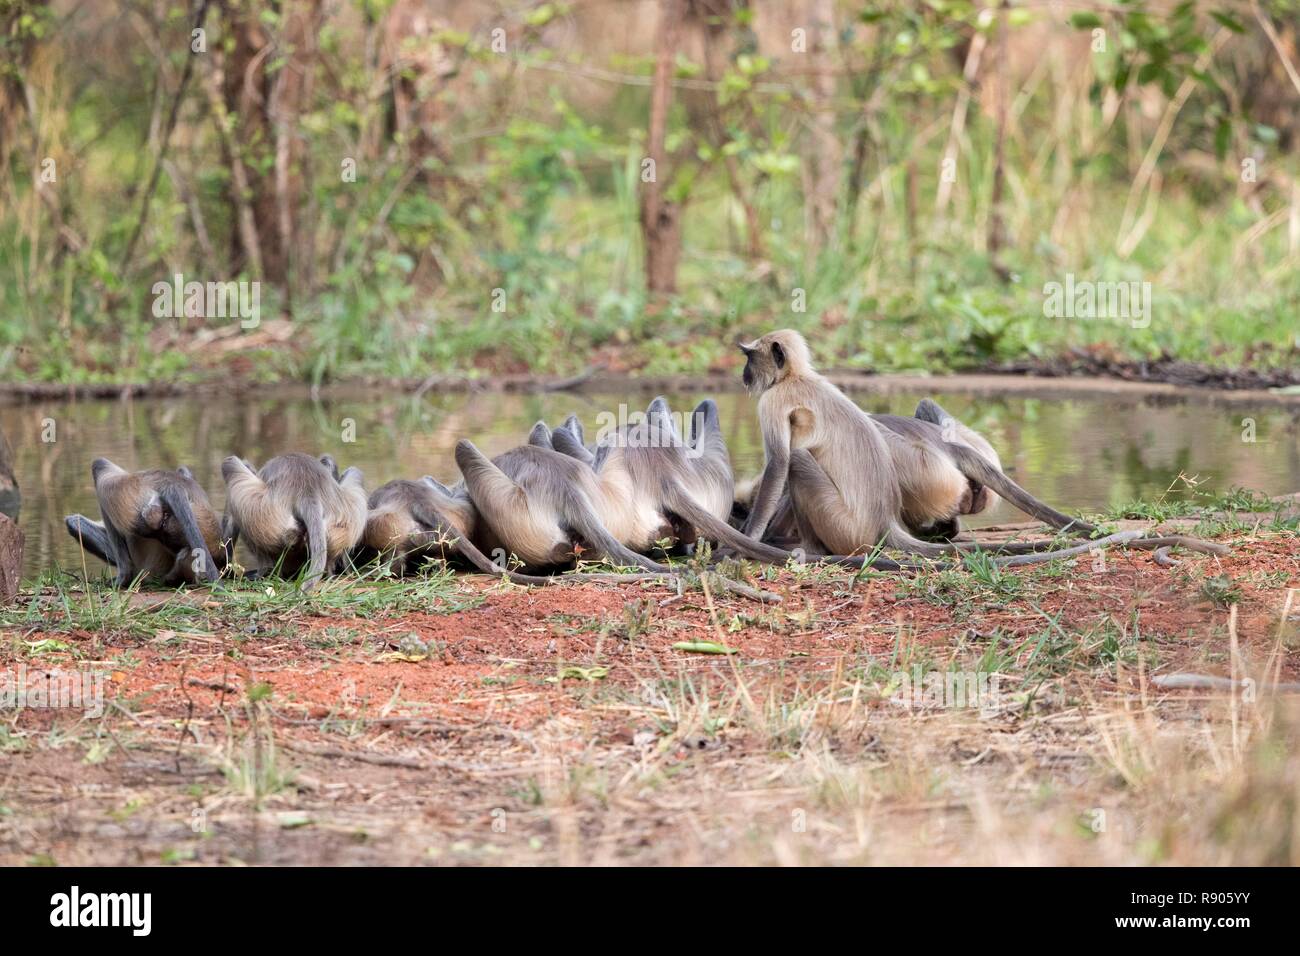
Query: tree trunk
[[420, 66], [246, 90], [997, 224], [290, 97], [661, 218], [718, 20], [822, 190]]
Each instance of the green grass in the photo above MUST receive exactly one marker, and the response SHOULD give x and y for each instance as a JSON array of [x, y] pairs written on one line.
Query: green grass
[[575, 290], [62, 604]]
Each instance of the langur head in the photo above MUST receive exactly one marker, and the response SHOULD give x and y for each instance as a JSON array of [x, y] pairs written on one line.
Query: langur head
[[773, 358]]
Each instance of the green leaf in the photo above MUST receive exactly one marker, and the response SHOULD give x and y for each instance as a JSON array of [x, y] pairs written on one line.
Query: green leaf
[[1228, 20], [1085, 21], [541, 16], [579, 673], [704, 647], [1150, 72]]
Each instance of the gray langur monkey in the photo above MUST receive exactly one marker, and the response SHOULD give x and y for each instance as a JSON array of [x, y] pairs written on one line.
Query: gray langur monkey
[[157, 523], [410, 521], [935, 491], [297, 512], [425, 518], [685, 486], [537, 502], [953, 450], [843, 473]]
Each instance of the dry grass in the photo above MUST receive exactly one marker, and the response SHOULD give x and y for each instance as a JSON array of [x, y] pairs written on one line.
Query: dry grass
[[560, 726]]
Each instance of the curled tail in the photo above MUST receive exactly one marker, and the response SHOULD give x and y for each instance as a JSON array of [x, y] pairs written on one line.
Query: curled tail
[[435, 520], [975, 466], [311, 513], [178, 502], [680, 503]]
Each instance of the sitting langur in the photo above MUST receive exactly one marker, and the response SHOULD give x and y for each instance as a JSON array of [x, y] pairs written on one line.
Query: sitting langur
[[156, 523], [295, 512], [846, 472], [935, 490]]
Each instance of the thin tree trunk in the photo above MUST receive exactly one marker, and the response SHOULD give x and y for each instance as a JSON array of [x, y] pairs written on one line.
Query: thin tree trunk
[[997, 224], [246, 90], [10, 497], [289, 98], [661, 218], [717, 19], [824, 157]]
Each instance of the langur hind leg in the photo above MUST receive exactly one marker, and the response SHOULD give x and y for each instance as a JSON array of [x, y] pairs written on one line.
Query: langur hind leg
[[541, 436], [819, 509], [121, 553], [808, 542], [783, 520]]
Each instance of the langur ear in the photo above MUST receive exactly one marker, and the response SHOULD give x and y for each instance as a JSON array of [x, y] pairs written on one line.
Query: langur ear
[[778, 355]]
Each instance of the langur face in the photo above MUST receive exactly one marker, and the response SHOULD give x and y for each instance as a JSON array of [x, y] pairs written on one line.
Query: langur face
[[765, 360]]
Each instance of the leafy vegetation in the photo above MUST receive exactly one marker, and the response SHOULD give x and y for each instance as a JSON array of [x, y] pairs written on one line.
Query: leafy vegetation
[[457, 196]]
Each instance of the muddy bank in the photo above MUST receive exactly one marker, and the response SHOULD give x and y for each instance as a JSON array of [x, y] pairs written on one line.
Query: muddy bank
[[1246, 388], [1165, 369]]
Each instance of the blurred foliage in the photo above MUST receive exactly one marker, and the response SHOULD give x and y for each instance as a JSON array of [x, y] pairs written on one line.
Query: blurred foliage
[[492, 222]]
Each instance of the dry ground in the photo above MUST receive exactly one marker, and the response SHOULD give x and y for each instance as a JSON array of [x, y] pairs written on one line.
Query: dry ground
[[561, 725]]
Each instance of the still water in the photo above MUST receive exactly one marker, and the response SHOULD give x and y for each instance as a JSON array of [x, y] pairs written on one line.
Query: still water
[[1076, 453]]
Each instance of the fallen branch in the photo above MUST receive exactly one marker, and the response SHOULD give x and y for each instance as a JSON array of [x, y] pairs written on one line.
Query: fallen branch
[[1212, 682]]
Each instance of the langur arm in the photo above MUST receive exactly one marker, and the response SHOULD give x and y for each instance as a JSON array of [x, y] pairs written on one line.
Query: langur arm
[[91, 535], [776, 471], [121, 554]]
